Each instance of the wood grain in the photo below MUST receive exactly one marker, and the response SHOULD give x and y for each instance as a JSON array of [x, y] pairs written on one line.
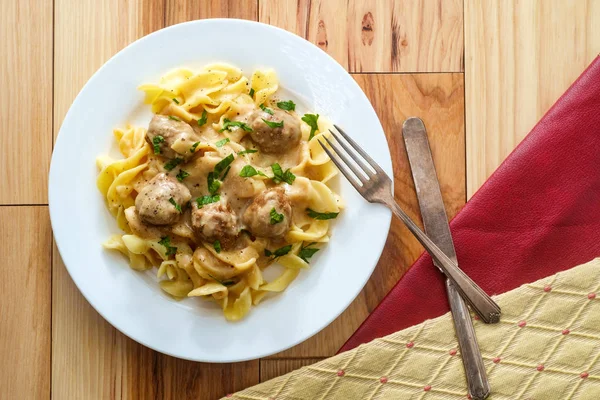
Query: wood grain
[[26, 107], [438, 100], [520, 57], [25, 303], [270, 369], [188, 10], [382, 36], [91, 359]]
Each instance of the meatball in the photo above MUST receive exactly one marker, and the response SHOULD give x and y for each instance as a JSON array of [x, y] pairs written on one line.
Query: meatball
[[261, 219], [158, 202], [214, 221], [277, 139], [172, 137]]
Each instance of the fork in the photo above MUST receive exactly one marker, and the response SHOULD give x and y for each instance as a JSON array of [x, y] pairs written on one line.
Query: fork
[[375, 186]]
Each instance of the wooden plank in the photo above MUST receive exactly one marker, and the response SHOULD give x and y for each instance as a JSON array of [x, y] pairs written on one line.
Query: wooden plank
[[26, 107], [520, 57], [25, 303], [270, 369], [439, 100], [188, 10], [91, 359], [382, 36], [88, 33]]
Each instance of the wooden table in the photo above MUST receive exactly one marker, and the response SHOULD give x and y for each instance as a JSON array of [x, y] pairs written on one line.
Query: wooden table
[[479, 72]]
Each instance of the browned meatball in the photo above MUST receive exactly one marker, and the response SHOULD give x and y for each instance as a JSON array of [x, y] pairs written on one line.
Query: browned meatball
[[172, 137], [259, 215], [276, 139], [155, 201], [214, 221]]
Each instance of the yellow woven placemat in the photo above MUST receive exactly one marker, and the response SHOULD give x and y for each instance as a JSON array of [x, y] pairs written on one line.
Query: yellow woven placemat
[[546, 347]]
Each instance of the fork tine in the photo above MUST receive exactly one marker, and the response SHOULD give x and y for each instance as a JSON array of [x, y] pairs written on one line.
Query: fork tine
[[356, 159], [359, 149], [361, 176], [342, 168]]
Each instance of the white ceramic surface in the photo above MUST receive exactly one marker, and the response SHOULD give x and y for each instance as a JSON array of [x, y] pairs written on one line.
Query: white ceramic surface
[[131, 301]]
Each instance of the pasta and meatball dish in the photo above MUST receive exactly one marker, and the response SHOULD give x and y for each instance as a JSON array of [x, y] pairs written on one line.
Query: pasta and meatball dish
[[226, 180]]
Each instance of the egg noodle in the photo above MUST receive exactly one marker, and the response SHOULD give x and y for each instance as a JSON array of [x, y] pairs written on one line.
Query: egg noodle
[[217, 102]]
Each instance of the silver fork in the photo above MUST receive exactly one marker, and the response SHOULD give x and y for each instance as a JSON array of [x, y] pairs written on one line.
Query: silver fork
[[376, 187]]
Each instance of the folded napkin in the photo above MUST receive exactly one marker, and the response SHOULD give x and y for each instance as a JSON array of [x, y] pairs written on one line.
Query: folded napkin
[[545, 347], [538, 214]]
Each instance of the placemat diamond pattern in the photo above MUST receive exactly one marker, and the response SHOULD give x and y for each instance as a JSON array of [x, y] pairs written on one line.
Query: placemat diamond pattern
[[546, 346]]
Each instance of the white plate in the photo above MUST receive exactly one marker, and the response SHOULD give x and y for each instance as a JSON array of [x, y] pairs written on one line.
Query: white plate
[[131, 301]]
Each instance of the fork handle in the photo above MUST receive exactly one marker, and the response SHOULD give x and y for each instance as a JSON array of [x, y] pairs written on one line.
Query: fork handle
[[479, 301]]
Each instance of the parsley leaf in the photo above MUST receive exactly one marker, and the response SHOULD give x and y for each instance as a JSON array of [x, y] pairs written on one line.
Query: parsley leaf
[[174, 118], [249, 151], [287, 105], [182, 175], [321, 216], [306, 253], [224, 283], [204, 200], [272, 124], [177, 206], [282, 251], [166, 241], [311, 120], [217, 246], [251, 92], [213, 184], [265, 109], [249, 171], [193, 148], [223, 164], [280, 176], [173, 163], [176, 101], [202, 119], [228, 124], [275, 216], [225, 173], [222, 142], [156, 143]]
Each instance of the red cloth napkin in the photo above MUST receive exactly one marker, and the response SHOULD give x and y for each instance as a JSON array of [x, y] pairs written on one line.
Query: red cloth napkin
[[538, 214]]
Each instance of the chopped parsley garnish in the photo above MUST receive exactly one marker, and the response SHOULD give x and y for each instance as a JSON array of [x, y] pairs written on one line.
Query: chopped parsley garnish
[[311, 120], [224, 283], [182, 175], [174, 118], [265, 109], [222, 142], [321, 216], [193, 148], [228, 124], [223, 164], [251, 92], [213, 184], [173, 163], [272, 124], [176, 101], [249, 151], [306, 252], [204, 200], [217, 246], [282, 251], [166, 241], [287, 105], [225, 173], [249, 171], [280, 176], [156, 143], [177, 206], [275, 216], [202, 119]]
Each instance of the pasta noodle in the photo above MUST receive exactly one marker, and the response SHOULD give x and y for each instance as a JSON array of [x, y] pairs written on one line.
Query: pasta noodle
[[246, 182]]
